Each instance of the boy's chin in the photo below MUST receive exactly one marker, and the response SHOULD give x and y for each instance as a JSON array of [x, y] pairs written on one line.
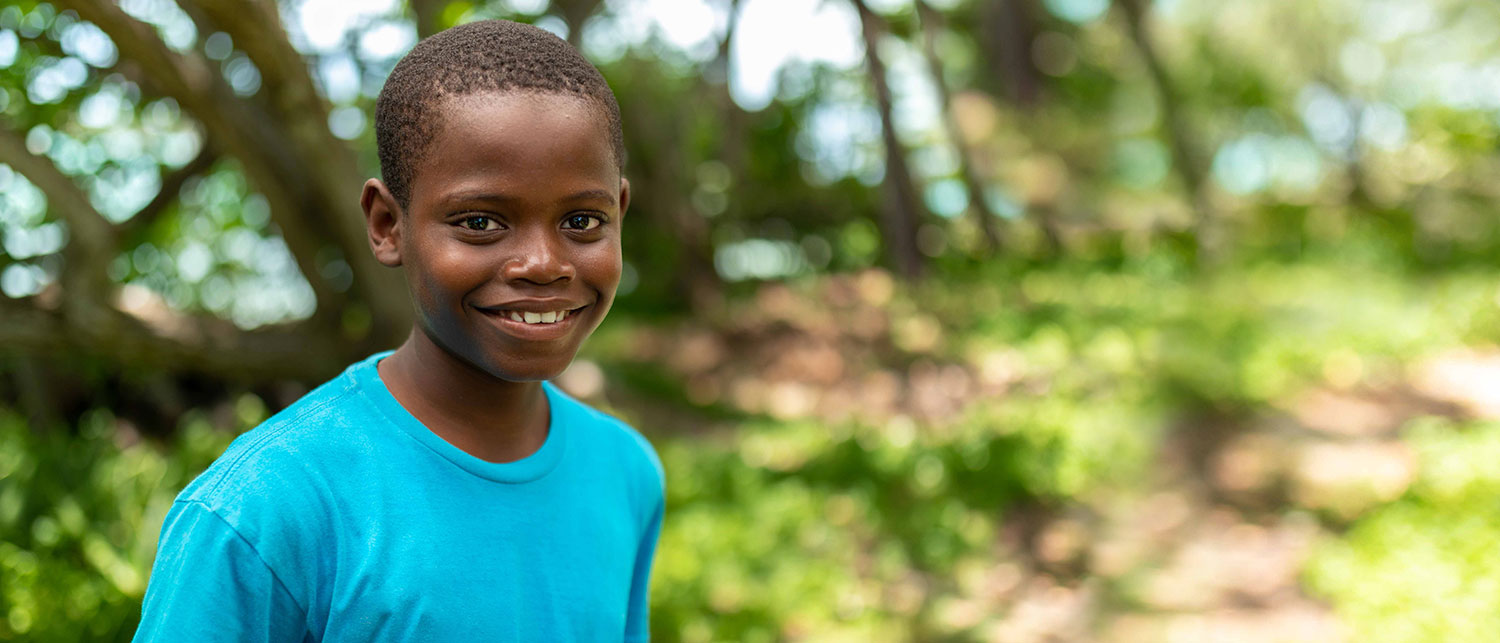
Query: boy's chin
[[504, 362], [526, 370]]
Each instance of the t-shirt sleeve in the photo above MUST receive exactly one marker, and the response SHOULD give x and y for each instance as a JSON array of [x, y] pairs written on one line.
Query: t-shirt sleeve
[[637, 625], [210, 584]]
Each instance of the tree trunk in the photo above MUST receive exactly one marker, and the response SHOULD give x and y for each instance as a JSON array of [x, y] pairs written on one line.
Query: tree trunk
[[733, 146], [660, 194], [429, 15], [1185, 156], [1007, 30], [1007, 33], [575, 13], [979, 207], [901, 213]]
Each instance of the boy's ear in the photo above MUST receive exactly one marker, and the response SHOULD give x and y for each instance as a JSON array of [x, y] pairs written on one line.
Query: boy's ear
[[382, 221], [624, 196]]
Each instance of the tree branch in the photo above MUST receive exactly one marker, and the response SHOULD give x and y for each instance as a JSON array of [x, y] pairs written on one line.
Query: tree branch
[[291, 159], [192, 345], [87, 320], [192, 81], [93, 234], [171, 188], [301, 115]]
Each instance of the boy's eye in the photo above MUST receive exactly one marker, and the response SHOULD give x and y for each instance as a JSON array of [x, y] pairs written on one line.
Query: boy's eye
[[479, 224], [582, 222]]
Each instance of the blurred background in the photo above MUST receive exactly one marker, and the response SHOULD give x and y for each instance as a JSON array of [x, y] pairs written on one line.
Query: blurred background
[[965, 320]]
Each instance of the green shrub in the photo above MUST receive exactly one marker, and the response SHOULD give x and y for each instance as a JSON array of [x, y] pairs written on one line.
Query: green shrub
[[79, 519], [1424, 567]]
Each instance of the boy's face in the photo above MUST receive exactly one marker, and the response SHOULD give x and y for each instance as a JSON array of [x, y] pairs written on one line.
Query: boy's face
[[511, 241]]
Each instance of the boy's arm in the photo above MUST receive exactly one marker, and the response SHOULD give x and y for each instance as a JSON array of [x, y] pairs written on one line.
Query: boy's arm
[[210, 584], [637, 625]]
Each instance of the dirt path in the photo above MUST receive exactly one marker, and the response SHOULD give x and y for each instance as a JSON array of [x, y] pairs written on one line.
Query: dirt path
[[1214, 549]]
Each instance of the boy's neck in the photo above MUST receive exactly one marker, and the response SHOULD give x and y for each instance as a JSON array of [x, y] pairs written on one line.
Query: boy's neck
[[489, 418]]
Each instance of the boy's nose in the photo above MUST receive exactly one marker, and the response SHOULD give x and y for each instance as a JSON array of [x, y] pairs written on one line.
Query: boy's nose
[[538, 261]]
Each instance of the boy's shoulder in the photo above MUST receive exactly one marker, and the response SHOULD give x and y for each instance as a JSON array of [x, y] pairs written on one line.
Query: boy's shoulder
[[284, 452]]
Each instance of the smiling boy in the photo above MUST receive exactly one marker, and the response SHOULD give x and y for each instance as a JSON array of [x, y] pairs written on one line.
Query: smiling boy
[[444, 491]]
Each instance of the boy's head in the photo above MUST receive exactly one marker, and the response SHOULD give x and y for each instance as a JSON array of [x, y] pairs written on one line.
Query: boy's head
[[503, 196], [475, 58]]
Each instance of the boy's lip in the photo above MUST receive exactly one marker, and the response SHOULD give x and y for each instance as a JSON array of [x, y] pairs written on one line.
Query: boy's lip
[[498, 315], [547, 305]]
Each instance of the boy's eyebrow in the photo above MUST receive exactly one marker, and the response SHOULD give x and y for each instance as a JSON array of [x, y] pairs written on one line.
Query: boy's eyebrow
[[500, 197], [592, 195]]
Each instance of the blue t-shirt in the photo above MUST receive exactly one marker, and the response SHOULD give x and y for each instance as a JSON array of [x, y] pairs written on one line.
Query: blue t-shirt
[[343, 518]]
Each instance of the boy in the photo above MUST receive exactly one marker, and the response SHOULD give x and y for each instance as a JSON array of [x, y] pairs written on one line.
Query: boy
[[443, 492]]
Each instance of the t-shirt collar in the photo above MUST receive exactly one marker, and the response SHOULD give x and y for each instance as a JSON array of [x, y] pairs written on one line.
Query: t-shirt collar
[[527, 469]]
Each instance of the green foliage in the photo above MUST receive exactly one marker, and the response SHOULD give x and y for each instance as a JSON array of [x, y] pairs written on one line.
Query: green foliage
[[79, 517], [1424, 567]]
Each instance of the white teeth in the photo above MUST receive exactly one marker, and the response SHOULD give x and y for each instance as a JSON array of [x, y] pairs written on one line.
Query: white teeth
[[550, 317]]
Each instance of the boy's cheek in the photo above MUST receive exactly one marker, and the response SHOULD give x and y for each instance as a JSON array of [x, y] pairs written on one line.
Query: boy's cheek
[[439, 293], [453, 264]]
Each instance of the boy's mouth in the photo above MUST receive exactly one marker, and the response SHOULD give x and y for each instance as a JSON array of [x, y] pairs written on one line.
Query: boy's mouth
[[533, 315], [550, 317]]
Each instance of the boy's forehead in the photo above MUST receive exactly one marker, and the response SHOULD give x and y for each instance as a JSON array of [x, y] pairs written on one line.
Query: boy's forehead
[[517, 131], [479, 114], [498, 117]]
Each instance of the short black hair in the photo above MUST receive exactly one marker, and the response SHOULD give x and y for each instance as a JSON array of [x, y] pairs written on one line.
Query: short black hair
[[483, 56]]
